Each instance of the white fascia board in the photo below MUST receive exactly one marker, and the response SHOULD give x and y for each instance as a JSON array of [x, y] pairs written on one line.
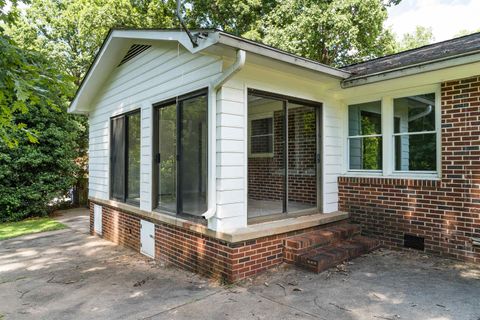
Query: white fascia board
[[428, 66], [264, 50]]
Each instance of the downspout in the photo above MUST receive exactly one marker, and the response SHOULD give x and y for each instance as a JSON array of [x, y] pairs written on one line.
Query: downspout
[[212, 132]]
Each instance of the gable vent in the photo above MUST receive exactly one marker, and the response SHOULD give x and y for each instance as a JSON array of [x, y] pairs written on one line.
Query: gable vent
[[134, 51]]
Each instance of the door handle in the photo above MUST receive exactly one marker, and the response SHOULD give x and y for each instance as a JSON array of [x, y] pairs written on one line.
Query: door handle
[[151, 236]]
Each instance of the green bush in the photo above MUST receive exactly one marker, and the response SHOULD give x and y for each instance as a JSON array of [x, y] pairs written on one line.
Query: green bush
[[38, 159], [33, 174]]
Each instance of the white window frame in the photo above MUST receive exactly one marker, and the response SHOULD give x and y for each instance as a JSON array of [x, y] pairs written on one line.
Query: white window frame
[[388, 155], [269, 115]]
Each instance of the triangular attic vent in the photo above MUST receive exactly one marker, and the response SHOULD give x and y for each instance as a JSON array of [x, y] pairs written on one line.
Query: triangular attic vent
[[134, 51]]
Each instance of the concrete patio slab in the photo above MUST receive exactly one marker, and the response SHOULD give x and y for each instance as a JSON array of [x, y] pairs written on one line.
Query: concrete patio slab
[[68, 274]]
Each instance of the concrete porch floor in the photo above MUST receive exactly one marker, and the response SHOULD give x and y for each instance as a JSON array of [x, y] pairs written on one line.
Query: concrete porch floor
[[69, 274]]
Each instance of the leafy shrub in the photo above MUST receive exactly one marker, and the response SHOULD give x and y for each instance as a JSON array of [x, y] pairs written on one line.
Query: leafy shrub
[[38, 166]]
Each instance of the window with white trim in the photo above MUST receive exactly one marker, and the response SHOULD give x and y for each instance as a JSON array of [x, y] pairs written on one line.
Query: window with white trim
[[261, 136], [399, 135], [415, 133], [365, 136]]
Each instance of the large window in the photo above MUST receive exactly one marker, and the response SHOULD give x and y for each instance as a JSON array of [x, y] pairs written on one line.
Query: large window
[[415, 134], [181, 154], [409, 144], [125, 158], [365, 136]]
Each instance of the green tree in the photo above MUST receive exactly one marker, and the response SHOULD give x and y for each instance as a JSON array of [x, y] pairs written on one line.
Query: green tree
[[33, 174], [242, 18], [334, 32], [422, 36], [71, 32], [465, 32]]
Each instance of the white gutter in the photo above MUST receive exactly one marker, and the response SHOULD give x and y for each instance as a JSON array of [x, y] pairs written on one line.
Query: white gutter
[[212, 132], [427, 66]]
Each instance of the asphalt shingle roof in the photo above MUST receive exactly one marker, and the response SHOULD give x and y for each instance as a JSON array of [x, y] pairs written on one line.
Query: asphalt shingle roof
[[441, 50]]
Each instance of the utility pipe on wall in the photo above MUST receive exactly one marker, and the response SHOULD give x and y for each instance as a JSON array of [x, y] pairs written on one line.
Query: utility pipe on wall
[[212, 132]]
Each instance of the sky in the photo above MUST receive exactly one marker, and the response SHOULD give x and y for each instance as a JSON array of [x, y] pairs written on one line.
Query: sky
[[445, 17]]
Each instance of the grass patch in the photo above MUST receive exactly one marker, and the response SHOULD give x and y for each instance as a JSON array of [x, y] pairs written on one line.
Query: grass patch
[[17, 229]]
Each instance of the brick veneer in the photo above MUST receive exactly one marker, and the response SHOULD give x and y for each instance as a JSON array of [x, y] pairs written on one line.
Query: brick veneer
[[445, 212], [196, 252]]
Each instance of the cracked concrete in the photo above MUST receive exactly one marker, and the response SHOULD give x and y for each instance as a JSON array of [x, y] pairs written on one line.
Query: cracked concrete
[[68, 274]]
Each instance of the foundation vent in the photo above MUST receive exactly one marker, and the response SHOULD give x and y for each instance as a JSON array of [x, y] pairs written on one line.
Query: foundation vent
[[134, 51], [413, 242]]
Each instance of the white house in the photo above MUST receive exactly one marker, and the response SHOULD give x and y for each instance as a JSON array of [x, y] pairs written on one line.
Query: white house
[[214, 155]]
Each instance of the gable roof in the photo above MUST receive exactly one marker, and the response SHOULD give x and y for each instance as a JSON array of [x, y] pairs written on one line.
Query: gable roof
[[444, 50], [118, 42]]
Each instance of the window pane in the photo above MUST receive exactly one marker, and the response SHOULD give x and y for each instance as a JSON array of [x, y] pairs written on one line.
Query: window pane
[[416, 152], [262, 126], [262, 144], [194, 163], [133, 157], [117, 159], [365, 119], [365, 153], [266, 175], [167, 166], [415, 113], [302, 157]]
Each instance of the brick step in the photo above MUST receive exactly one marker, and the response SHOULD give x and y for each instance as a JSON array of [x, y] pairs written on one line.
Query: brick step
[[322, 258], [298, 245]]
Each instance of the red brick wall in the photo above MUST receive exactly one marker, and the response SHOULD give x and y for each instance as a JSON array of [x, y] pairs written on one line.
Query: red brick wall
[[445, 212], [195, 252], [266, 175], [120, 227]]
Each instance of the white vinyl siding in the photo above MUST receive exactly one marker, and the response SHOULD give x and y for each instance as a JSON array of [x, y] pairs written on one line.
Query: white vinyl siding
[[159, 73]]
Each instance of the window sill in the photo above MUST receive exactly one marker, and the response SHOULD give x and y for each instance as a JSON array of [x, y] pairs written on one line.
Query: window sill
[[411, 176]]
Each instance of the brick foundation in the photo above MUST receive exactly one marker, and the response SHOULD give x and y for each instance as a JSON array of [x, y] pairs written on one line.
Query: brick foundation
[[228, 262], [445, 212]]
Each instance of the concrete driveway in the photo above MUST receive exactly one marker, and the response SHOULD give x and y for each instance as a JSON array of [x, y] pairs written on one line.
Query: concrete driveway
[[68, 274]]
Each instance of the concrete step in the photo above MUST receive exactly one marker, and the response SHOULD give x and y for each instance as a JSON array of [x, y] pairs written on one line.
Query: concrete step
[[324, 257], [301, 244]]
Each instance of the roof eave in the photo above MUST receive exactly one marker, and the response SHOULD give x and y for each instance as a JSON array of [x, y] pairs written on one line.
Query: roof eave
[[277, 54], [428, 66]]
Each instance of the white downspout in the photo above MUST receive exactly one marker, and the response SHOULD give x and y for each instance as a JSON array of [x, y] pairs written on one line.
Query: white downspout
[[212, 132]]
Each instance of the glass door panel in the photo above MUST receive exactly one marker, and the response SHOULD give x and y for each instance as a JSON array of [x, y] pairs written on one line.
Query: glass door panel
[[302, 157], [193, 170], [266, 156], [133, 157], [167, 158]]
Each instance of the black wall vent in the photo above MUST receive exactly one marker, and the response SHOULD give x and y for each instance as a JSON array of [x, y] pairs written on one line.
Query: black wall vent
[[413, 242], [134, 51]]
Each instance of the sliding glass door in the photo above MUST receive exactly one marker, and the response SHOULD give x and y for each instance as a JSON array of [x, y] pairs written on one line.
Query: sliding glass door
[[181, 155], [284, 155]]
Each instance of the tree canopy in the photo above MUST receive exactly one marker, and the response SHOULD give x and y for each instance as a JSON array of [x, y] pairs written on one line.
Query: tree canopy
[[422, 36]]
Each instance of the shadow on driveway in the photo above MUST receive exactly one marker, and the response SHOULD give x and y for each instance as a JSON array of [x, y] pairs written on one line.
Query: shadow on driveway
[[68, 274]]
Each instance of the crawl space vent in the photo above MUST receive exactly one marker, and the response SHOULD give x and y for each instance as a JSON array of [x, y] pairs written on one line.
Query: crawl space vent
[[413, 242], [134, 51]]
